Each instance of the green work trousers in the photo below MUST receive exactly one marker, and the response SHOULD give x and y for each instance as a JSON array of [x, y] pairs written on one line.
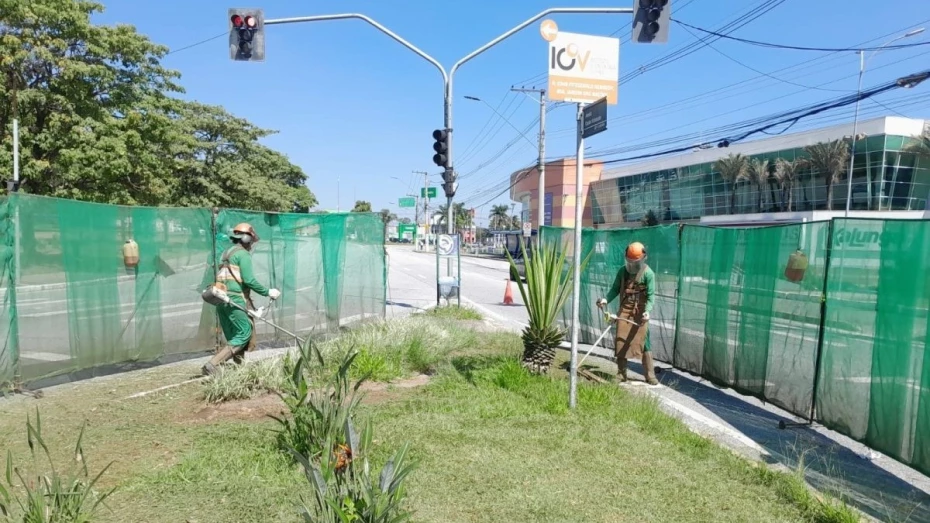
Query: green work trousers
[[236, 324]]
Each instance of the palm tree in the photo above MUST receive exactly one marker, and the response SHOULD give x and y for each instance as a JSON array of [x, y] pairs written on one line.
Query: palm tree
[[516, 222], [733, 169], [460, 215], [829, 159], [758, 173], [500, 218], [786, 172]]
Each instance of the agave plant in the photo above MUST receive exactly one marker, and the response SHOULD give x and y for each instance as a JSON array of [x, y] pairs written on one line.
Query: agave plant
[[343, 488], [547, 289], [318, 412]]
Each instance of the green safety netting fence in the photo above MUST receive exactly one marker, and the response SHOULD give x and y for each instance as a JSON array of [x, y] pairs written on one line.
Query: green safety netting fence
[[874, 382], [607, 254], [76, 309], [726, 310]]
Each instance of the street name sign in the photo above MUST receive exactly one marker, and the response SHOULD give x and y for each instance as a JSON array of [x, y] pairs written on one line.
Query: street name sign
[[595, 118]]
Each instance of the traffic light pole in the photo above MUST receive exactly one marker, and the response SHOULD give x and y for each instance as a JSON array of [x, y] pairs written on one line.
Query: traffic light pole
[[449, 174]]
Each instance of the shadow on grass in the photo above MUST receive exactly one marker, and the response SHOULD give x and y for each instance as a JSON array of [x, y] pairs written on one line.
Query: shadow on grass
[[467, 365]]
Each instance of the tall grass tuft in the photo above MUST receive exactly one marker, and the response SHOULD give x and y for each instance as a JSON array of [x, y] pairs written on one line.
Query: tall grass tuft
[[247, 381], [52, 495]]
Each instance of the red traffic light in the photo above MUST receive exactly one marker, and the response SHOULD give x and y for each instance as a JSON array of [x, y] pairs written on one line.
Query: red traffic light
[[250, 21], [236, 21]]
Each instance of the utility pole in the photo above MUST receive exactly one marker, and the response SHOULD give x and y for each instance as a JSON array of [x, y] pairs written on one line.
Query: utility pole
[[541, 163], [426, 216]]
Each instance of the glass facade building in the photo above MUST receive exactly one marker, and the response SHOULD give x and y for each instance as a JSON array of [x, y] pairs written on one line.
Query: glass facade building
[[686, 188]]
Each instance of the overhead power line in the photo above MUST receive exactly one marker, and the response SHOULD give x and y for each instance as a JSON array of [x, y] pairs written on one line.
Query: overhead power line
[[186, 47], [797, 47]]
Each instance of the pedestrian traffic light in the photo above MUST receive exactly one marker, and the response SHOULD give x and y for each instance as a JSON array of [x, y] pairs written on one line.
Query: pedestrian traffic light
[[247, 35], [441, 147], [650, 25]]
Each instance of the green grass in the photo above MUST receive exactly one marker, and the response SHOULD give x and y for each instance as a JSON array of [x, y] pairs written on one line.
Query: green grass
[[454, 312], [396, 349], [493, 444]]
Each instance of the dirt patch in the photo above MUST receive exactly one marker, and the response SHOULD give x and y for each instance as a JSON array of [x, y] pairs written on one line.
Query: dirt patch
[[382, 392], [245, 410], [261, 407]]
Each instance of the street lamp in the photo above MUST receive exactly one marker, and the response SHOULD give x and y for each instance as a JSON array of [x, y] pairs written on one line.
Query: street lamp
[[852, 154]]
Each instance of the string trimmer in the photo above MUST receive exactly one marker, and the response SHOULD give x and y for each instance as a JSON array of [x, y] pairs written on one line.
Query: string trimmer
[[221, 296], [610, 319]]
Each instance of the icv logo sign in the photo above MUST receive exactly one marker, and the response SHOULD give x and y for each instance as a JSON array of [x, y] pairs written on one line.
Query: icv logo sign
[[574, 57]]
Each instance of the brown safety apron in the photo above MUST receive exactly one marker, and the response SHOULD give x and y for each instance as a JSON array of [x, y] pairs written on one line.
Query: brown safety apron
[[246, 292], [631, 339]]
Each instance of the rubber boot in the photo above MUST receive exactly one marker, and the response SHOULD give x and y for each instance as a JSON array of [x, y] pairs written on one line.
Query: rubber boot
[[649, 370], [218, 359], [621, 370]]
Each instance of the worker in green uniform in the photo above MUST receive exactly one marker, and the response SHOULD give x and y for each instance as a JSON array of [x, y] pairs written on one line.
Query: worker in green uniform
[[636, 284], [238, 278]]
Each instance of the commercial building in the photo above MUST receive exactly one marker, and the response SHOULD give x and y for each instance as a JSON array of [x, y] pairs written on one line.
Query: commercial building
[[559, 198], [688, 188]]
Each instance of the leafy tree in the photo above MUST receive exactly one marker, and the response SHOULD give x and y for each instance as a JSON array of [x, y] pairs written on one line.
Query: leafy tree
[[361, 206], [829, 159], [405, 221], [98, 120], [733, 169]]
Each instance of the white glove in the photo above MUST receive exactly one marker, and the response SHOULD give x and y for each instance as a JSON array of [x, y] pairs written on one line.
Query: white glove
[[645, 316], [274, 294], [601, 303]]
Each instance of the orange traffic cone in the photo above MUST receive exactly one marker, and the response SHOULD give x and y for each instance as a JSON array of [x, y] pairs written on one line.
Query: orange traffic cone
[[508, 294]]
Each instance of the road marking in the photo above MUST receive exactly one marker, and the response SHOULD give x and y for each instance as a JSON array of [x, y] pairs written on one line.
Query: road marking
[[44, 356]]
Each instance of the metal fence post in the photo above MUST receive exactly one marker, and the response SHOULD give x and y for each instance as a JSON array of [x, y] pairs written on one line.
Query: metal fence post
[[818, 362]]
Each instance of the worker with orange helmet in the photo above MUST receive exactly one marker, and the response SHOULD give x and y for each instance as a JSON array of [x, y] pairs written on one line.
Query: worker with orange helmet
[[237, 277], [635, 283]]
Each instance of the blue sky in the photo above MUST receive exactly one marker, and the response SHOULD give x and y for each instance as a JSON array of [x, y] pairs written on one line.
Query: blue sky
[[355, 109]]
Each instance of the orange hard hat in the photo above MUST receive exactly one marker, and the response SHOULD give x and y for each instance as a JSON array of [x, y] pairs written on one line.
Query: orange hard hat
[[635, 251], [244, 228]]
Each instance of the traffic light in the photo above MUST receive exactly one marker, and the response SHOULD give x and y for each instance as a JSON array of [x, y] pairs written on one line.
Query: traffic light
[[650, 25], [247, 35], [441, 147]]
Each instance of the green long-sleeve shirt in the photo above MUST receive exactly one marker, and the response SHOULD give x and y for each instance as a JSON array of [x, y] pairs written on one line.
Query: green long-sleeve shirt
[[648, 278], [240, 268]]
